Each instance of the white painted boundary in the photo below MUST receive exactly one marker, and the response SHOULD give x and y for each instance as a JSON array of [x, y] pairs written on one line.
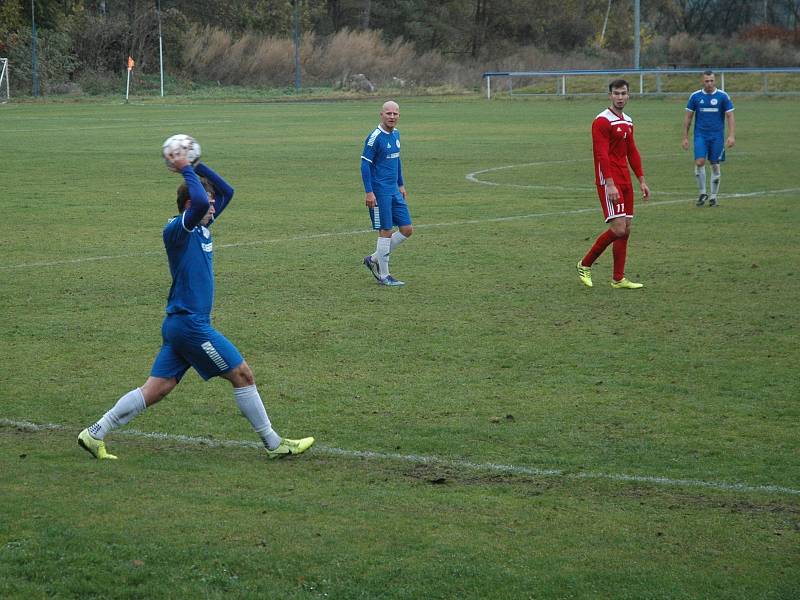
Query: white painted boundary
[[435, 461], [125, 125]]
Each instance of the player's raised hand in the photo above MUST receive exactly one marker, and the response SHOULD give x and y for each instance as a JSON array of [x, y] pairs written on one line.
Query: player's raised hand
[[176, 161]]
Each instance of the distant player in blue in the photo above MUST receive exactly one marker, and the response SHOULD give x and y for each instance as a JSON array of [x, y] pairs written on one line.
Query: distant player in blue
[[189, 339], [382, 174], [711, 108]]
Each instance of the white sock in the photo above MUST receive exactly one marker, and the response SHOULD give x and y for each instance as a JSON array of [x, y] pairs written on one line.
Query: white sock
[[127, 407], [397, 239], [253, 409], [382, 249], [716, 175], [700, 174]]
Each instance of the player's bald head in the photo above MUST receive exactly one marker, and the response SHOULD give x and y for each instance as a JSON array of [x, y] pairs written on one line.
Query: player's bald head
[[390, 113], [390, 106]]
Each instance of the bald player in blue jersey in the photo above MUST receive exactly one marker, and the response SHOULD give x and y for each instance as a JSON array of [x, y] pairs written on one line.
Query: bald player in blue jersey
[[382, 175], [711, 108], [189, 339]]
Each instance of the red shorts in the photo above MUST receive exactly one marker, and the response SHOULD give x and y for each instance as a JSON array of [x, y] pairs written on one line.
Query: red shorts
[[623, 206]]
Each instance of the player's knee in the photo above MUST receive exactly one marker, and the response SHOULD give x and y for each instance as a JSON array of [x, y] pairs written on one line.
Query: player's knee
[[156, 388], [242, 376], [407, 230], [619, 230]]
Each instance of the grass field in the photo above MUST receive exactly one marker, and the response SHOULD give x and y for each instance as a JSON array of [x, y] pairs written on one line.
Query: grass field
[[492, 429]]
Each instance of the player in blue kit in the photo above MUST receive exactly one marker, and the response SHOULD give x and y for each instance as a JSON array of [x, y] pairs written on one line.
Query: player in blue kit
[[382, 174], [711, 108], [189, 339]]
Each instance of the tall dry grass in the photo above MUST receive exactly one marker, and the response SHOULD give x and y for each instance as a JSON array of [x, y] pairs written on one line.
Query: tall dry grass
[[215, 55]]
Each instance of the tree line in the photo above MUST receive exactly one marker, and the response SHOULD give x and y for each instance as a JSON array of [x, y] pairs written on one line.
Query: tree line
[[83, 37]]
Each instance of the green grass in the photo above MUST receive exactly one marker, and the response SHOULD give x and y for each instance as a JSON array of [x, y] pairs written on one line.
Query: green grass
[[491, 355]]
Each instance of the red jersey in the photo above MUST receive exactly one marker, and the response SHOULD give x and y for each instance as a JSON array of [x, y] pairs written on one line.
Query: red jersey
[[614, 148]]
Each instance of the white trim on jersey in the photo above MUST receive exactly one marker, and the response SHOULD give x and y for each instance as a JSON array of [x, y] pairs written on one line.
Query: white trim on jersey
[[378, 130], [612, 117], [609, 204], [373, 135], [183, 215], [366, 159]]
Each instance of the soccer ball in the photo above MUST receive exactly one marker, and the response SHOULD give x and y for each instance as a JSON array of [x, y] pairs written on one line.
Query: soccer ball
[[180, 144]]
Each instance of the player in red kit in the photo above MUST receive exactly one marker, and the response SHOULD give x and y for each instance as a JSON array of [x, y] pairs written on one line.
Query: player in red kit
[[614, 149]]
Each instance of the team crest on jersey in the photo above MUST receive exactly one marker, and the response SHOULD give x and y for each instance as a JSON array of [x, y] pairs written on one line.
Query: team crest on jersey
[[713, 102], [398, 143]]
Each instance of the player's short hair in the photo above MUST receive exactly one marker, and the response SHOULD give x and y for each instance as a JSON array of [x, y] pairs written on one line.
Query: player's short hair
[[183, 192], [618, 83], [708, 72]]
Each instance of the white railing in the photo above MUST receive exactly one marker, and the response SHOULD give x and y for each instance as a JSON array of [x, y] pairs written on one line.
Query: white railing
[[650, 81]]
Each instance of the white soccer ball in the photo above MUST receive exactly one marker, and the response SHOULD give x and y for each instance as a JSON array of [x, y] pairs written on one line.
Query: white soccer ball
[[180, 145]]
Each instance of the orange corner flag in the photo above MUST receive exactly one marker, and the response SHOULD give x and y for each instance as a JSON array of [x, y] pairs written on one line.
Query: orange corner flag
[[130, 63]]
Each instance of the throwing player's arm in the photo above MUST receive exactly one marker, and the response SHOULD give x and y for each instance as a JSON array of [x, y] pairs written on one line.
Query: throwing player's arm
[[199, 203], [223, 192]]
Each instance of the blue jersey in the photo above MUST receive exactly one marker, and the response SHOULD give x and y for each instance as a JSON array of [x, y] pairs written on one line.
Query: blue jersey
[[381, 170], [189, 246], [709, 111]]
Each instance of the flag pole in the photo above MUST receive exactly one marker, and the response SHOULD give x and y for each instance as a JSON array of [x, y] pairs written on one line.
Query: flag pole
[[128, 85], [160, 50]]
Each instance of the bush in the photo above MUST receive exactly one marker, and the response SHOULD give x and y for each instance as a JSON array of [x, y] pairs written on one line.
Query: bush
[[56, 63], [99, 42], [99, 83]]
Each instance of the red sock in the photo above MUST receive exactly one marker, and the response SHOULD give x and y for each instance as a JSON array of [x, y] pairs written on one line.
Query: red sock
[[600, 244], [620, 251]]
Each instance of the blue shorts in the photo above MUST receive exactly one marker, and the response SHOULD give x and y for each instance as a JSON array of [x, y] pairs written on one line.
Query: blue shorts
[[710, 146], [190, 341], [389, 212]]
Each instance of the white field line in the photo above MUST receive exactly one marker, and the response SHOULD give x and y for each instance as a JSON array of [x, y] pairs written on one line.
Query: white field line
[[435, 461], [149, 125], [331, 234]]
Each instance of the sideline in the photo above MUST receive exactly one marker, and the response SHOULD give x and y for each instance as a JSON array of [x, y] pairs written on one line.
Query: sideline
[[433, 460]]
